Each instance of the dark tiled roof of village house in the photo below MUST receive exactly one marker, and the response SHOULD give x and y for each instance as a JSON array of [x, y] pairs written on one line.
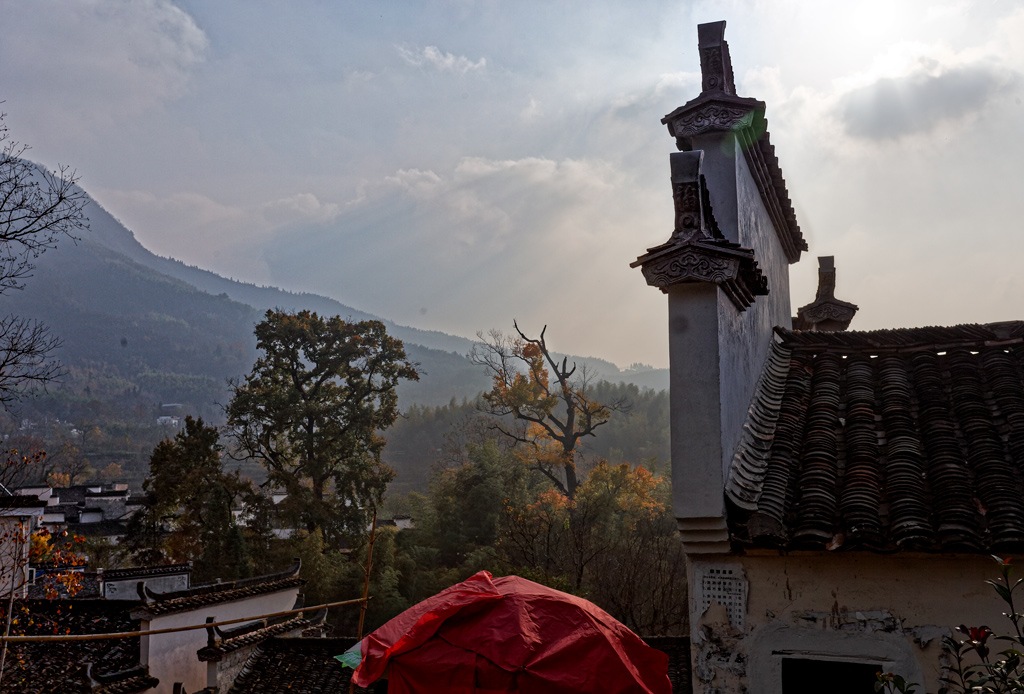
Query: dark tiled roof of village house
[[46, 582], [21, 501], [35, 668], [255, 633], [145, 571], [296, 666], [215, 593], [907, 439]]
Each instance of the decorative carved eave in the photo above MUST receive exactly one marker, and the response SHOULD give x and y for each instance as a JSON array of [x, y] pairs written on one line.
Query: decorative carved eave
[[826, 313], [697, 251], [719, 109]]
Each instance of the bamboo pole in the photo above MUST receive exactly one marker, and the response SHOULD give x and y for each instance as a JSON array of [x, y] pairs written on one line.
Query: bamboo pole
[[366, 588], [171, 630]]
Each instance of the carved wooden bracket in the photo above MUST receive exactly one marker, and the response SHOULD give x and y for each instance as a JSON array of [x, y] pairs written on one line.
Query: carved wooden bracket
[[697, 250]]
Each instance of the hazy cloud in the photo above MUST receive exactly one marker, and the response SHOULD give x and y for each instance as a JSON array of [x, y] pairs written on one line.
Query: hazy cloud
[[514, 236], [915, 103], [301, 207], [432, 56], [98, 59]]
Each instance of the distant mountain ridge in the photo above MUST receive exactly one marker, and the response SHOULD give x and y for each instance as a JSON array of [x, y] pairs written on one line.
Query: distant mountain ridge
[[110, 232]]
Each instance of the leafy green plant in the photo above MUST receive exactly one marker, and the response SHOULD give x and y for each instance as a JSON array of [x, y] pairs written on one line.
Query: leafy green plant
[[892, 683], [975, 668]]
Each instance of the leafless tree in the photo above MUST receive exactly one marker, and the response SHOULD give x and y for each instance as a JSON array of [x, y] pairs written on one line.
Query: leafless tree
[[547, 400], [37, 209]]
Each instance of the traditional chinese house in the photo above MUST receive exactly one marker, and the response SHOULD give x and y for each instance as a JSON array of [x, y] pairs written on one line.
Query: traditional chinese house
[[838, 492]]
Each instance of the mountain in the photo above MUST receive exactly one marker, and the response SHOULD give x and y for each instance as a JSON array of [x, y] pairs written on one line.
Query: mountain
[[145, 337], [106, 230], [162, 331], [111, 233]]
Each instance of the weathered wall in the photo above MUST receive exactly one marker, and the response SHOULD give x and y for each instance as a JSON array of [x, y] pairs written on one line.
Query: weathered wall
[[172, 657], [716, 356], [886, 610], [746, 336], [128, 589], [15, 531], [694, 372]]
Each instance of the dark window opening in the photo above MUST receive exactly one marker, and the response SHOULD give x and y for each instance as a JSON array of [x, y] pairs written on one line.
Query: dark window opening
[[806, 676]]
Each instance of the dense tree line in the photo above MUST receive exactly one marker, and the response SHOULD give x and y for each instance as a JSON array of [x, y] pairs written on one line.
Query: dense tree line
[[314, 412]]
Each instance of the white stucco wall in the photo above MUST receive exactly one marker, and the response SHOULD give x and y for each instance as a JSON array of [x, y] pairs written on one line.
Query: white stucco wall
[[716, 351], [172, 657]]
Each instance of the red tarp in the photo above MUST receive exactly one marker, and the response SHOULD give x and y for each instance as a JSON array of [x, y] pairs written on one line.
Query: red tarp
[[508, 634]]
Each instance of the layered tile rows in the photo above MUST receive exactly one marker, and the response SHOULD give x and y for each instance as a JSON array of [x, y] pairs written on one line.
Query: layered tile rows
[[215, 593], [888, 440], [76, 667]]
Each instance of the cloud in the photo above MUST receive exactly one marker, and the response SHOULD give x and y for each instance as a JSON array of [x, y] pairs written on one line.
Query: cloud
[[93, 61], [487, 240], [420, 184], [432, 56], [892, 107], [301, 207], [532, 111]]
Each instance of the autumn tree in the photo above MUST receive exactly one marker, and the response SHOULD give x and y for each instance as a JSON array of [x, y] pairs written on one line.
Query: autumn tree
[[37, 209], [548, 402], [188, 503], [616, 543], [311, 412]]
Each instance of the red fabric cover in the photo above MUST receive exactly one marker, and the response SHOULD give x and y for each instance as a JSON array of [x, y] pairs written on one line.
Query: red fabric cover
[[488, 635]]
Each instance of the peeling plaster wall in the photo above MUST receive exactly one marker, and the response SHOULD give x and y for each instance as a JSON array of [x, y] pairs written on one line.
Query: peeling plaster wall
[[886, 610]]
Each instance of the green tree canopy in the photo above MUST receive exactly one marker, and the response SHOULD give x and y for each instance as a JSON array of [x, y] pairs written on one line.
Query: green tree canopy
[[188, 511], [311, 412]]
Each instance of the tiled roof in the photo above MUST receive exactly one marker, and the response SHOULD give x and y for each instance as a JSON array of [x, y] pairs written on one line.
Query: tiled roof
[[215, 593], [132, 685], [296, 666], [885, 440], [250, 636], [102, 528], [145, 571], [677, 648], [46, 577], [21, 501], [35, 668]]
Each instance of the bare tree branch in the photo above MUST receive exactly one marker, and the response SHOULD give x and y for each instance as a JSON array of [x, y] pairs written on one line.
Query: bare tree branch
[[37, 209], [531, 386]]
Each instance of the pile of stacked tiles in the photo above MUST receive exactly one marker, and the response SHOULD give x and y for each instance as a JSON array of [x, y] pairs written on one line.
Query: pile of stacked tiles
[[862, 478], [779, 481], [997, 486], [909, 524], [948, 476], [1002, 373], [819, 473]]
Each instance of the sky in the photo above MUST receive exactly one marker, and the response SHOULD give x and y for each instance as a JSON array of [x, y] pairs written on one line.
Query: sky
[[458, 164]]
